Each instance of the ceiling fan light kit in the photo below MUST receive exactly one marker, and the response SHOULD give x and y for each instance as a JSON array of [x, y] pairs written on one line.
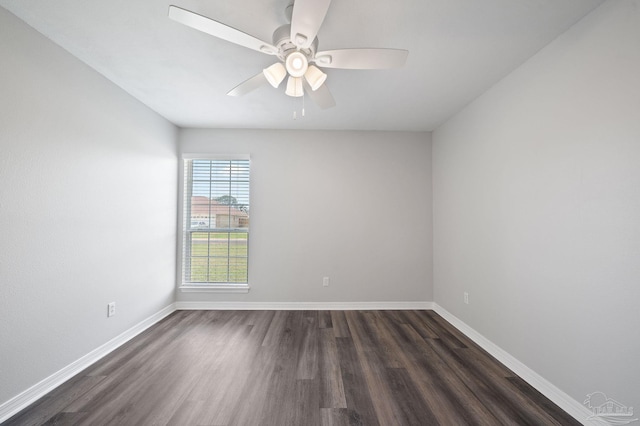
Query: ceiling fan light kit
[[296, 47], [315, 77], [275, 74], [294, 87], [296, 64]]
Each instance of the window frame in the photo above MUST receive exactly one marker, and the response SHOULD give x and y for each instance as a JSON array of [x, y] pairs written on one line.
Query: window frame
[[184, 216]]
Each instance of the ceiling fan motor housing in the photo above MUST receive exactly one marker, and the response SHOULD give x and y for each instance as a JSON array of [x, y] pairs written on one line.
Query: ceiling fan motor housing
[[282, 40]]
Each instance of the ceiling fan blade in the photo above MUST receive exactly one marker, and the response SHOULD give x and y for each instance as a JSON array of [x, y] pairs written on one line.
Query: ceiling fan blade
[[321, 97], [217, 29], [306, 18], [362, 59], [249, 85]]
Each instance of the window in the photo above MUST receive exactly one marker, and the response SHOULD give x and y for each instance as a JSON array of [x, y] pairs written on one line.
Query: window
[[215, 216]]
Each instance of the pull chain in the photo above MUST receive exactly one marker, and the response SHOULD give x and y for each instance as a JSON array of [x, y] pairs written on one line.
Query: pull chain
[[295, 112]]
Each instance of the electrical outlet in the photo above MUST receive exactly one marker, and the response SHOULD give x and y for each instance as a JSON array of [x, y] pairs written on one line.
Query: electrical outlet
[[466, 298], [325, 282], [111, 309]]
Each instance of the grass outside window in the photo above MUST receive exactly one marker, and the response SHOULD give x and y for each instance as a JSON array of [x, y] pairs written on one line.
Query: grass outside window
[[219, 257]]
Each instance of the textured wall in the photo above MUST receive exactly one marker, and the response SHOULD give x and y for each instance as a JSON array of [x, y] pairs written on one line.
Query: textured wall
[[87, 209], [537, 207]]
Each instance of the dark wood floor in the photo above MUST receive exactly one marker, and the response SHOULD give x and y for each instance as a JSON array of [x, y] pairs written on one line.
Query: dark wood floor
[[302, 368]]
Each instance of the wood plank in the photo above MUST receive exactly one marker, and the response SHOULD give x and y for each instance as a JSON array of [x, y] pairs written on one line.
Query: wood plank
[[356, 390], [385, 345], [271, 399], [308, 352], [393, 315], [307, 400], [220, 406], [339, 322], [418, 323], [374, 372], [444, 331], [187, 414], [329, 372], [324, 319], [65, 419], [414, 408], [339, 417], [274, 332], [236, 344]]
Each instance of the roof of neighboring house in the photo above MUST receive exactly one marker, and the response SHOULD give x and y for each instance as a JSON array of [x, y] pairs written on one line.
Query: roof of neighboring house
[[203, 206]]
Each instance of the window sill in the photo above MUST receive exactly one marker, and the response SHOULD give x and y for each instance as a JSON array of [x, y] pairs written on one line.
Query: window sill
[[215, 288]]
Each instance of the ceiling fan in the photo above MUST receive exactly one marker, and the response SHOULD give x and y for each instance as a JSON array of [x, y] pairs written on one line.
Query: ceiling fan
[[296, 47]]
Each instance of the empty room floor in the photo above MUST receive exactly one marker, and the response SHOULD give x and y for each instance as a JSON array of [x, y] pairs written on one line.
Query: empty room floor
[[302, 368]]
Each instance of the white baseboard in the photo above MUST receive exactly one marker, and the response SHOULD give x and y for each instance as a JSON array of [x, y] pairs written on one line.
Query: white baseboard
[[307, 306], [557, 396], [22, 400]]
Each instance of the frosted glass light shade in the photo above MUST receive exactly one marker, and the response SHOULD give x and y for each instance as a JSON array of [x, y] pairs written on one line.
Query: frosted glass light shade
[[315, 77], [296, 64], [275, 74], [294, 87]]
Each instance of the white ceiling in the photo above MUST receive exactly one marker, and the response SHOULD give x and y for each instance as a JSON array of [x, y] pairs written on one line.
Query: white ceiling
[[458, 49]]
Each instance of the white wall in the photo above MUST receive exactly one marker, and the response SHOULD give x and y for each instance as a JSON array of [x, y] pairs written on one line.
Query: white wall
[[354, 206], [537, 209], [80, 162]]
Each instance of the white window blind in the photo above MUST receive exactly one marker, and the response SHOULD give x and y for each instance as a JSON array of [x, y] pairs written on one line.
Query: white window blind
[[215, 222]]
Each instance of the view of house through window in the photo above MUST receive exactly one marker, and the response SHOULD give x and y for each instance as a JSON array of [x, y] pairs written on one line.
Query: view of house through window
[[216, 221]]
